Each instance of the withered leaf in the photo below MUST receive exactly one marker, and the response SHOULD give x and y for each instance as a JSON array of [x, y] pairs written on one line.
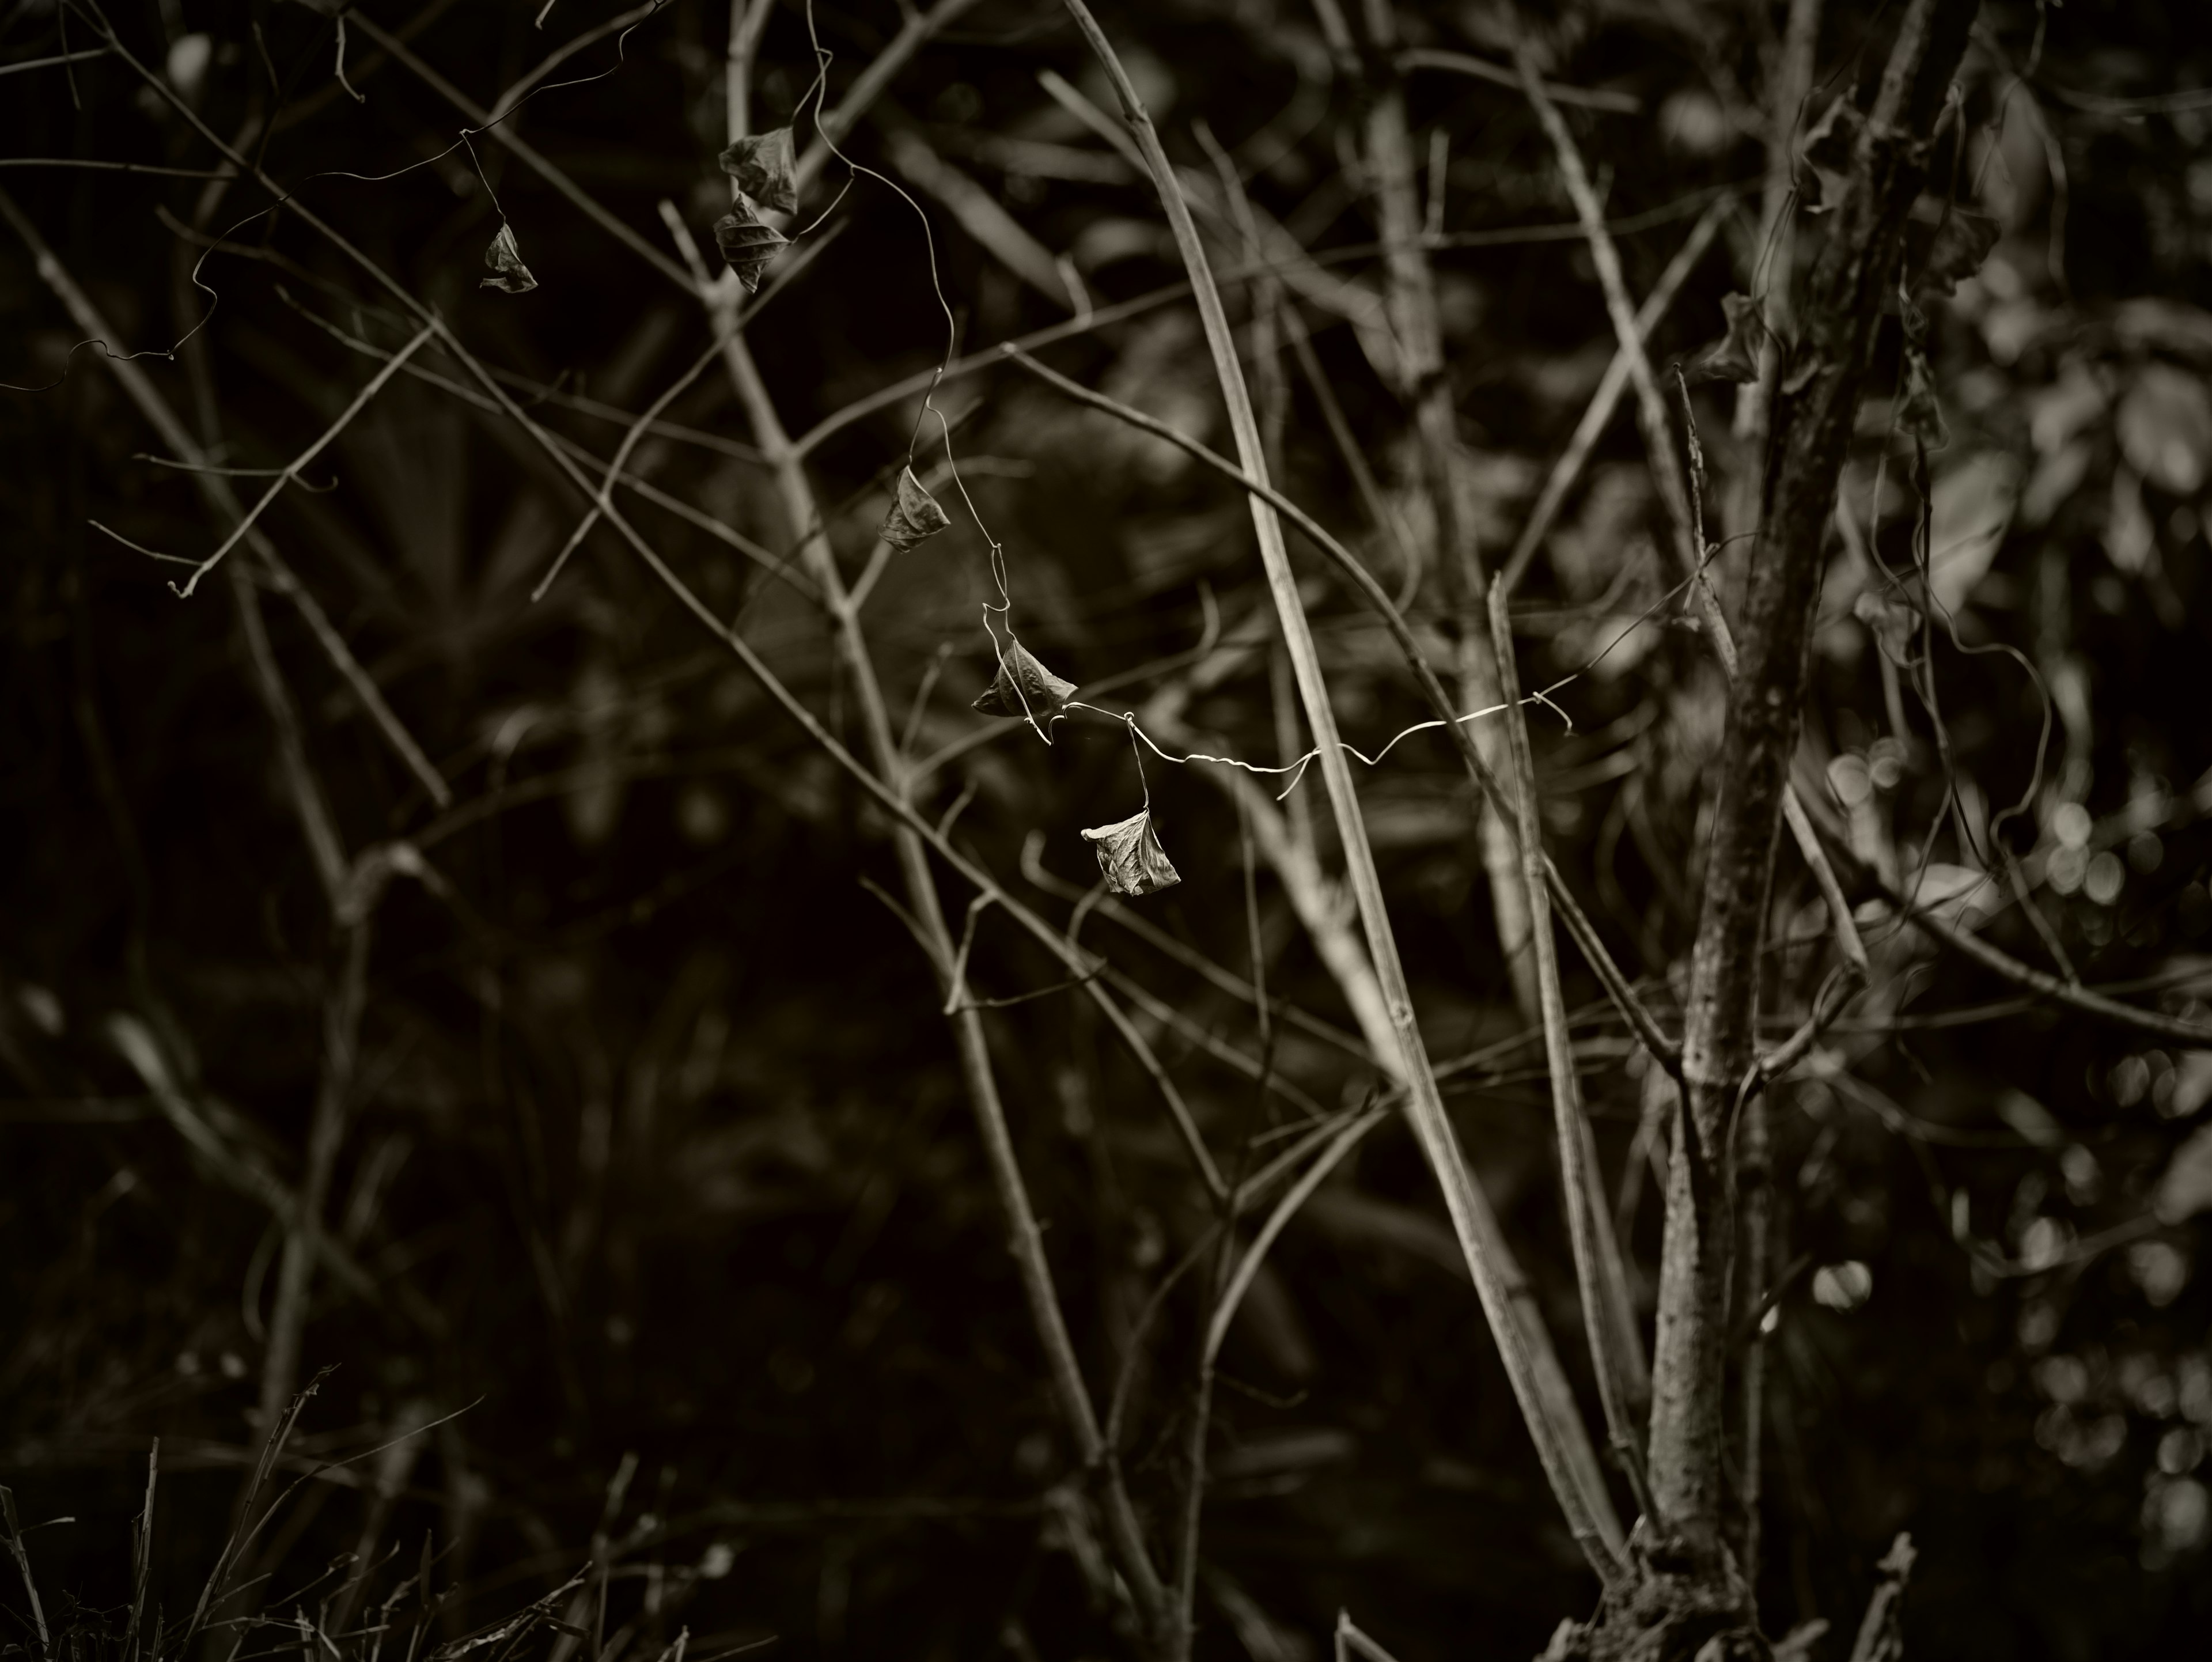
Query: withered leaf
[[1953, 248], [1827, 149], [915, 517], [1919, 417], [763, 165], [1827, 143], [1023, 686], [509, 275], [1130, 854], [1735, 356], [748, 242]]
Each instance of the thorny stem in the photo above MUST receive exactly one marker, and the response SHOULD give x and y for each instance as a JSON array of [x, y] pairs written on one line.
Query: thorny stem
[[1562, 1443]]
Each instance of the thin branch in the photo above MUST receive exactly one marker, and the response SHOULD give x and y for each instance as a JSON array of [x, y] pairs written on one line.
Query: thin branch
[[1675, 491], [1159, 940], [292, 469], [1567, 471], [1561, 1442], [2071, 996], [1482, 69], [806, 525], [919, 30], [1616, 985], [527, 153], [138, 386]]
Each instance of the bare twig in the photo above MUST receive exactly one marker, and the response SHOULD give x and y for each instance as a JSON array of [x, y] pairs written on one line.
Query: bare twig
[[1426, 386], [216, 491], [1482, 69], [1449, 717], [804, 520], [1561, 1441], [292, 469]]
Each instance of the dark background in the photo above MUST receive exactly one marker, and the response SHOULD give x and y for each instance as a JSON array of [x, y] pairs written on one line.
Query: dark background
[[656, 1113]]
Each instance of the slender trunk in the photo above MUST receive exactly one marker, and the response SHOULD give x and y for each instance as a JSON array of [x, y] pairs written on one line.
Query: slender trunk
[[1816, 403], [1791, 83]]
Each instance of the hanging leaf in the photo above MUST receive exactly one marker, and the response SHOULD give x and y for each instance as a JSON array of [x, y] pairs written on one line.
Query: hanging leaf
[[1919, 417], [1735, 356], [915, 517], [1827, 149], [1131, 856], [509, 275], [1952, 248], [748, 242], [763, 168], [1024, 687]]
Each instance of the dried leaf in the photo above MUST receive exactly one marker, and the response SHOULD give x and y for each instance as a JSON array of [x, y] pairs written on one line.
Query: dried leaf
[[1131, 856], [915, 517], [1955, 246], [509, 275], [1919, 417], [748, 242], [1827, 149], [1024, 687], [1735, 356], [1828, 141], [764, 166]]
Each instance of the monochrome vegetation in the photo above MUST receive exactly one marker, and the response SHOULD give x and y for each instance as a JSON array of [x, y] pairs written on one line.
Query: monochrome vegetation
[[1231, 827]]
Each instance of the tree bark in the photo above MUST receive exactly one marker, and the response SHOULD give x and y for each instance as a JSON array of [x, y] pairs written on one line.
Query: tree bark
[[1815, 405]]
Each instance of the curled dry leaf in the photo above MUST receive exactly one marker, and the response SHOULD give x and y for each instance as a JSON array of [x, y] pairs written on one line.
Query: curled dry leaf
[[748, 242], [1827, 149], [763, 165], [1735, 356], [1024, 687], [1131, 856], [1919, 417], [509, 275], [1952, 248], [915, 517]]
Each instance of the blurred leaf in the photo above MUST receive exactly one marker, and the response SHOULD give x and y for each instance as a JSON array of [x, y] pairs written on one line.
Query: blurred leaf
[[2165, 427], [2130, 539], [1970, 511], [2186, 1188]]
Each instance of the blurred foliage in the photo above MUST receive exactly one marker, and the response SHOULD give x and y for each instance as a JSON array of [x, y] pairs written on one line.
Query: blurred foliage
[[656, 1118]]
